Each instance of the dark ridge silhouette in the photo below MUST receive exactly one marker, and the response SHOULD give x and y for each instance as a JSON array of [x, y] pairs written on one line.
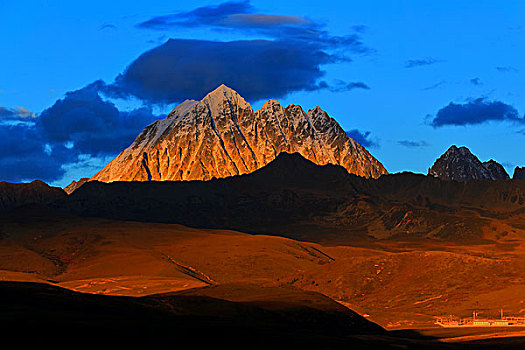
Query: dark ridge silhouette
[[459, 164], [14, 195], [295, 198], [519, 173]]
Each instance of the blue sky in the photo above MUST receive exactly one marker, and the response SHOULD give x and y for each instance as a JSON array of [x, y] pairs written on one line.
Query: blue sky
[[413, 76]]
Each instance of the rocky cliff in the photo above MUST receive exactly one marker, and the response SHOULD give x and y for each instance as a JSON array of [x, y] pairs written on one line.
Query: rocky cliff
[[75, 184], [459, 164], [496, 170], [519, 173]]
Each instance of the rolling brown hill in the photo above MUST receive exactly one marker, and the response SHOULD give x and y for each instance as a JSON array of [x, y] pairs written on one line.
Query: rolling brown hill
[[398, 283]]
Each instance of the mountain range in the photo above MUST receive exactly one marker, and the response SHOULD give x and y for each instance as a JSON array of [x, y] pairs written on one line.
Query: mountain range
[[222, 136], [295, 198], [224, 226], [459, 164], [401, 248]]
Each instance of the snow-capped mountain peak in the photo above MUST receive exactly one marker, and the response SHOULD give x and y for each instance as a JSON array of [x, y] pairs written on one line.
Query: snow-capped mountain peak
[[222, 136]]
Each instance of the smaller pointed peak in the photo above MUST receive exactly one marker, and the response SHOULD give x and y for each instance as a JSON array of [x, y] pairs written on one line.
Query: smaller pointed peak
[[456, 149], [295, 108], [317, 110], [519, 173], [270, 104]]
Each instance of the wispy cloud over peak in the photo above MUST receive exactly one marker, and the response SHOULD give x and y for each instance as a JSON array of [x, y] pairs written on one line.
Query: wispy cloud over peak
[[242, 16], [413, 144], [341, 86], [476, 81], [434, 86], [506, 69], [421, 62], [107, 26], [18, 113]]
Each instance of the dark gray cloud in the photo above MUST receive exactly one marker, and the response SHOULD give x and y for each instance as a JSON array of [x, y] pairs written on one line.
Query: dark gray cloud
[[93, 125], [81, 123], [506, 69], [476, 111], [8, 112], [241, 17], [421, 62], [341, 86], [24, 154], [207, 15], [15, 114], [476, 81], [288, 57], [181, 69], [363, 138], [413, 144]]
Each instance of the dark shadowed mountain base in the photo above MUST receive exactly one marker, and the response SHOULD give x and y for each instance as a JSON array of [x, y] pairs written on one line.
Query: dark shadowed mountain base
[[295, 198], [16, 195]]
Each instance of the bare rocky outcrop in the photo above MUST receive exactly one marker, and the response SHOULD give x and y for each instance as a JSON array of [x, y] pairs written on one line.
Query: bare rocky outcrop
[[222, 136], [459, 164], [75, 184], [496, 170], [519, 173]]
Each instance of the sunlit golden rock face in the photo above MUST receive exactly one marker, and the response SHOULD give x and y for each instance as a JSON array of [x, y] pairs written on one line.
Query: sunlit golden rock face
[[222, 136], [75, 184]]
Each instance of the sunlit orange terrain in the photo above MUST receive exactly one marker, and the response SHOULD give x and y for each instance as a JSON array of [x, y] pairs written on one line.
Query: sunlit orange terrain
[[473, 258], [400, 284]]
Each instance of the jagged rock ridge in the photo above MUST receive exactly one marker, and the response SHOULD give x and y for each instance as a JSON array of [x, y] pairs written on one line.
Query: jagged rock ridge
[[496, 170], [295, 198], [75, 184], [221, 136], [519, 173], [14, 195], [459, 164]]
